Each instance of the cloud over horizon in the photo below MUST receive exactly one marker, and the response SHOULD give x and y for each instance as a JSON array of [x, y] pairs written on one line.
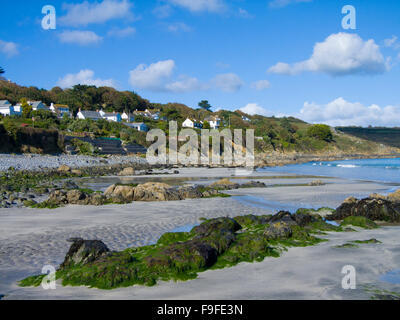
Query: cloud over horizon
[[340, 112], [255, 109], [339, 55], [84, 77]]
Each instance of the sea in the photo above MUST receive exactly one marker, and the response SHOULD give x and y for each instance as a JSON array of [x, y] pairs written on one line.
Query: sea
[[380, 170]]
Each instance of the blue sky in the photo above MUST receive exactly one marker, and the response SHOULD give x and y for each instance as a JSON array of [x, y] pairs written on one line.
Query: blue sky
[[280, 57]]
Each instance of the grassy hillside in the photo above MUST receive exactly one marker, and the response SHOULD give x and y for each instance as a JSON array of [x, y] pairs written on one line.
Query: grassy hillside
[[388, 136], [282, 135]]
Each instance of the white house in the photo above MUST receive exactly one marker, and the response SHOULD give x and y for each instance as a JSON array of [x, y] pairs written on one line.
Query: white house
[[140, 126], [60, 110], [128, 117], [93, 115], [215, 122], [244, 118], [6, 109], [191, 123], [111, 116]]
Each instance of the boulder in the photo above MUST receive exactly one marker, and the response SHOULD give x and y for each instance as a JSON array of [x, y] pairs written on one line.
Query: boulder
[[127, 172], [152, 191], [83, 252], [216, 226], [75, 196], [120, 193], [190, 192], [316, 183]]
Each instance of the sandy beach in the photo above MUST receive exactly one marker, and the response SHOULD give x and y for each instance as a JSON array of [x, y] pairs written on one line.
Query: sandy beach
[[32, 238]]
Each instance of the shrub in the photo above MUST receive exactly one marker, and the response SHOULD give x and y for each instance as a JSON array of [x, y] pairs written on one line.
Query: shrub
[[320, 132]]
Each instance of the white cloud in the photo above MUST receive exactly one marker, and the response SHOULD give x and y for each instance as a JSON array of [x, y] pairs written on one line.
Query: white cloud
[[163, 11], [152, 77], [200, 5], [82, 38], [121, 33], [392, 42], [284, 3], [261, 85], [340, 54], [185, 84], [84, 77], [343, 113], [179, 26], [253, 109], [228, 82], [86, 13], [10, 49]]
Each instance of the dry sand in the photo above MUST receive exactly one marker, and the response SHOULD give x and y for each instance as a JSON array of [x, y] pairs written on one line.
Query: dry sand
[[30, 239]]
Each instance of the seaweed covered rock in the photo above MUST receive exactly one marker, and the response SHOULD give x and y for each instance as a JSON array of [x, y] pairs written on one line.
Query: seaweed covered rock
[[358, 221], [84, 251], [278, 230], [188, 255], [371, 208], [216, 226], [127, 172], [249, 220], [285, 217]]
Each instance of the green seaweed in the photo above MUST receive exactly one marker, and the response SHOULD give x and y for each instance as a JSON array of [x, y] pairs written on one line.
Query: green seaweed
[[359, 221]]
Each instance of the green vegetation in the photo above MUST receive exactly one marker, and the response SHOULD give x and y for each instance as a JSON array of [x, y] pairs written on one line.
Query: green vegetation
[[354, 244], [361, 222], [84, 147], [181, 256], [387, 136]]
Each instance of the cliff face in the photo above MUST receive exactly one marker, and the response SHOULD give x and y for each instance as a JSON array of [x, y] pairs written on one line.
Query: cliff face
[[30, 140]]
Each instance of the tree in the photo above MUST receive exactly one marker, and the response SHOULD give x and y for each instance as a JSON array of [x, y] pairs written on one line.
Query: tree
[[206, 125], [205, 105], [320, 132], [26, 109], [2, 70]]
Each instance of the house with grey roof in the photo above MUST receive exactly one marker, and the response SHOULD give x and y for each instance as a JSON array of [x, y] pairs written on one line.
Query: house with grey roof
[[92, 115], [139, 126], [37, 105]]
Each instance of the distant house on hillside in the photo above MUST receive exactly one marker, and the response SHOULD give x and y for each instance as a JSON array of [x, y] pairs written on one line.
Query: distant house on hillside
[[139, 126], [6, 109], [189, 123], [37, 105], [128, 117], [244, 118], [92, 115], [215, 122], [111, 116], [60, 110]]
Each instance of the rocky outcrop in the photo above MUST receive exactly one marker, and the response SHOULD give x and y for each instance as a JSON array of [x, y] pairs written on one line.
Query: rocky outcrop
[[83, 252], [226, 184], [375, 209], [76, 197], [64, 169]]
